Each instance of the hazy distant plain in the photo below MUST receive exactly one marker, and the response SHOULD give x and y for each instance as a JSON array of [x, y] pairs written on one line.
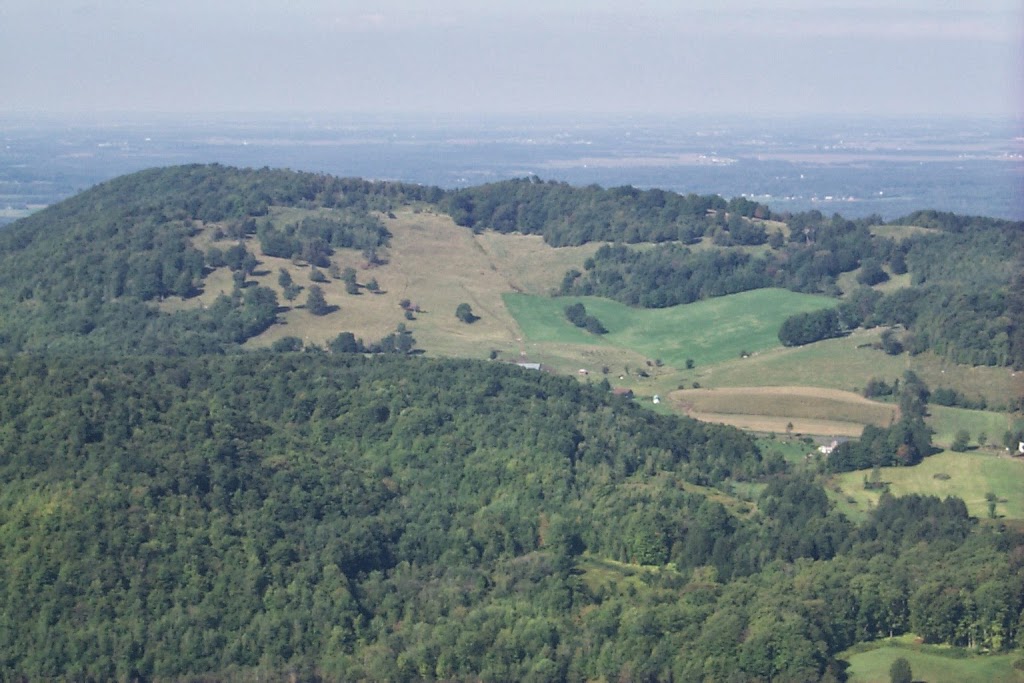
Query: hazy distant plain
[[853, 167]]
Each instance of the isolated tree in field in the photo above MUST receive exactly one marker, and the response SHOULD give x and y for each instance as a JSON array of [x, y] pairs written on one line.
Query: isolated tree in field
[[900, 671], [284, 278], [960, 441], [373, 258], [315, 301], [465, 313], [992, 500], [349, 277]]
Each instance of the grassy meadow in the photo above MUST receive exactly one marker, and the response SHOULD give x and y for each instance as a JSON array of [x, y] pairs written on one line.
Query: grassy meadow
[[968, 475], [708, 332], [507, 280], [849, 362], [431, 261], [948, 421], [932, 664]]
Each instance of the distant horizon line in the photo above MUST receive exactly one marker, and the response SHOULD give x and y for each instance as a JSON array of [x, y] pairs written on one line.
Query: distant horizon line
[[468, 117]]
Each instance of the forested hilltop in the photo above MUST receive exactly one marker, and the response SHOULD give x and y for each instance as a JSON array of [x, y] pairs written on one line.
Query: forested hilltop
[[177, 505], [87, 273]]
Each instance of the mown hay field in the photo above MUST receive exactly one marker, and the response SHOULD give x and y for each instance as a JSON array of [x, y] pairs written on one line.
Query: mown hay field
[[810, 410]]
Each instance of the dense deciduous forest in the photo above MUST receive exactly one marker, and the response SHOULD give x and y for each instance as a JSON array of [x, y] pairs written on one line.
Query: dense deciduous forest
[[345, 517], [567, 215], [173, 508]]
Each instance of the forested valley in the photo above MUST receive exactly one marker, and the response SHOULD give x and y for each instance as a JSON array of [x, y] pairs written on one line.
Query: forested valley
[[175, 506]]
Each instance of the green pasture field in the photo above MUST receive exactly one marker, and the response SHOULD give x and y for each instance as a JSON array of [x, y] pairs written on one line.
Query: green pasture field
[[931, 664], [708, 332], [967, 475], [948, 421], [792, 449]]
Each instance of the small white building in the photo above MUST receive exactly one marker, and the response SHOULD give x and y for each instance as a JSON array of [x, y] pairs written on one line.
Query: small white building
[[827, 449]]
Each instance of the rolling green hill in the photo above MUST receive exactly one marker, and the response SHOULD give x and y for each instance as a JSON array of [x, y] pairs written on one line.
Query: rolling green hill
[[244, 435], [708, 332]]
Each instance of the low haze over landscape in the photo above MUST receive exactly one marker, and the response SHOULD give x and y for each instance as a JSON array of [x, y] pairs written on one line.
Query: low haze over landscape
[[512, 341]]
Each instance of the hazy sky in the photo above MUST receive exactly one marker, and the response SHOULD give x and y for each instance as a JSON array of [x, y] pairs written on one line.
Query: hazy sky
[[935, 57]]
